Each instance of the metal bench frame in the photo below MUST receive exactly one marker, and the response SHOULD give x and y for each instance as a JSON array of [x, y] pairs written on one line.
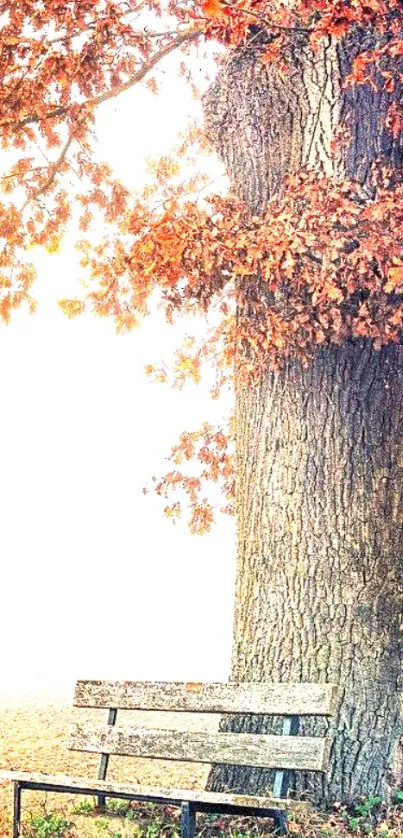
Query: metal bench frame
[[189, 809]]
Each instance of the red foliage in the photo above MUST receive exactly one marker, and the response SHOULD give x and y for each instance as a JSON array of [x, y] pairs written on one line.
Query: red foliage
[[322, 264], [214, 450]]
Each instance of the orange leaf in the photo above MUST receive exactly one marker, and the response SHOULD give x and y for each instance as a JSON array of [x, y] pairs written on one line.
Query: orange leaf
[[193, 687], [333, 292], [395, 278], [212, 8], [72, 307]]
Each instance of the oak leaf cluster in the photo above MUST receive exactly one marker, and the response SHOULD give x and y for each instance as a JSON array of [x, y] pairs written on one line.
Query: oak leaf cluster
[[322, 263]]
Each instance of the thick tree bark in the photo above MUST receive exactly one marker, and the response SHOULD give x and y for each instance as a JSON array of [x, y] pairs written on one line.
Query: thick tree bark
[[319, 450]]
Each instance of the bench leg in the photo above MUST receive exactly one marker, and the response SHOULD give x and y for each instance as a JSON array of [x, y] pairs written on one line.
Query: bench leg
[[188, 820], [101, 804], [17, 811], [280, 822]]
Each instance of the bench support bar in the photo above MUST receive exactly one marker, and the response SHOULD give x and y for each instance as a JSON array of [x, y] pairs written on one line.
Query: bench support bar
[[104, 761]]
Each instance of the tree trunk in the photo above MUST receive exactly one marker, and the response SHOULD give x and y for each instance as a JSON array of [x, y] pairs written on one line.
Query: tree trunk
[[319, 450]]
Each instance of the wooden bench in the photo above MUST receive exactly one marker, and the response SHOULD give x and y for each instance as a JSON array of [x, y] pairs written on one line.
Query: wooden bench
[[284, 753]]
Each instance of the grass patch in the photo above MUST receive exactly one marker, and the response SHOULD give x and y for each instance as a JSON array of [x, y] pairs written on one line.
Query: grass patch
[[368, 817]]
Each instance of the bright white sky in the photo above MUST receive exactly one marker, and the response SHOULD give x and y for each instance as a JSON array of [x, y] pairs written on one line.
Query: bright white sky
[[96, 581]]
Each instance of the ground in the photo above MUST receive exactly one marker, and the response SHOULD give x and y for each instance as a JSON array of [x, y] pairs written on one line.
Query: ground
[[33, 737]]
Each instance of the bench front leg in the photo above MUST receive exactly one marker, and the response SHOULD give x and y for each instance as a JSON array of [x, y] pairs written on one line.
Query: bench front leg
[[188, 820], [17, 810], [280, 822]]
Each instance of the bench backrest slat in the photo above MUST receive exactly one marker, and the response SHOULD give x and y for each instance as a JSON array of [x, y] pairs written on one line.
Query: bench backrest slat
[[270, 699], [302, 753]]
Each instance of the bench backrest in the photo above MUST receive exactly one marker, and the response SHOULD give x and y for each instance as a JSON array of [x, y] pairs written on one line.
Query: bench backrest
[[294, 752]]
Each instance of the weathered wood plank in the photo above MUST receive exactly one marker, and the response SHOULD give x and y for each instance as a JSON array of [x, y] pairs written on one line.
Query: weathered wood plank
[[302, 753], [174, 794], [277, 699]]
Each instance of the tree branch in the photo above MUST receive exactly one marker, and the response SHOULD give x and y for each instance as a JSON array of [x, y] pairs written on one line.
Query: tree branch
[[54, 168], [149, 64], [188, 35]]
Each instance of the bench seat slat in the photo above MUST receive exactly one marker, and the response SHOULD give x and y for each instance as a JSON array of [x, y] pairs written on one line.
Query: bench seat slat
[[302, 753], [276, 699], [174, 794]]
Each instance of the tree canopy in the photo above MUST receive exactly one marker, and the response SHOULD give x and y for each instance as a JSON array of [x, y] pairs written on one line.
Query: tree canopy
[[325, 251]]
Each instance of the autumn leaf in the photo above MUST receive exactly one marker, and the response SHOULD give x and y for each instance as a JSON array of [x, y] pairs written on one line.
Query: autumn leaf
[[333, 292], [213, 8], [395, 278], [53, 246], [72, 308], [396, 48], [173, 510]]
